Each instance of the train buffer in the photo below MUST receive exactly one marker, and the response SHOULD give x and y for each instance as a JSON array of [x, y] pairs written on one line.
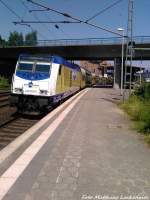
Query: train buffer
[[84, 149]]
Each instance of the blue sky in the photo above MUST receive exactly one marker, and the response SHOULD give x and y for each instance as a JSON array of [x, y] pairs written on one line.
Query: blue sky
[[111, 19], [83, 9]]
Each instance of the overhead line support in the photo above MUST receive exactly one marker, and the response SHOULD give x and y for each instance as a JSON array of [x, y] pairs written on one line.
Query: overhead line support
[[76, 19]]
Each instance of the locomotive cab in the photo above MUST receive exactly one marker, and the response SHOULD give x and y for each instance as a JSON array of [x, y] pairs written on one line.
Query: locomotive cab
[[30, 84]]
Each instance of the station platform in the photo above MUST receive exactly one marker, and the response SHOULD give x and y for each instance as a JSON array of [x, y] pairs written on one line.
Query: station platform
[[87, 150]]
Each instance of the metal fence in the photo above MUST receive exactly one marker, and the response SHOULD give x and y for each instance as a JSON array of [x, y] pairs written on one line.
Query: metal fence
[[76, 42], [88, 41], [92, 41]]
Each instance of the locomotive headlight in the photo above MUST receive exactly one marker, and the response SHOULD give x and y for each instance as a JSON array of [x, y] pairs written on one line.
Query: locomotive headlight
[[18, 90], [43, 92]]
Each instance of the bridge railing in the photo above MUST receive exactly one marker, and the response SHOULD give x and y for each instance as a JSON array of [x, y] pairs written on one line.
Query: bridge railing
[[76, 42], [142, 39], [92, 41], [87, 41]]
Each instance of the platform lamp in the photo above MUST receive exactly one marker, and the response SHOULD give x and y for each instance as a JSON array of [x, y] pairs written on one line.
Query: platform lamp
[[122, 56]]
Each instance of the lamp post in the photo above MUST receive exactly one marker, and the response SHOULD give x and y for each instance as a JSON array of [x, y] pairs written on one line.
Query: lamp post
[[122, 56]]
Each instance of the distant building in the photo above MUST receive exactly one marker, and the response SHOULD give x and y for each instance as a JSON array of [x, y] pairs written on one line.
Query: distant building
[[100, 68], [106, 69]]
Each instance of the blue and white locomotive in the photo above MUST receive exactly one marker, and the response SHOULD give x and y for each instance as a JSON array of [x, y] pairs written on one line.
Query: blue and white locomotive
[[42, 81]]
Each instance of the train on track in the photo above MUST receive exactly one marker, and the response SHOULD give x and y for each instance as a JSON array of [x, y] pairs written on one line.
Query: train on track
[[42, 81]]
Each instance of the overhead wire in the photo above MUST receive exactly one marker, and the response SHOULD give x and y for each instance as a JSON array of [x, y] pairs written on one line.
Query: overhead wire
[[56, 26], [104, 10], [35, 18], [74, 18], [53, 10], [43, 22], [12, 11]]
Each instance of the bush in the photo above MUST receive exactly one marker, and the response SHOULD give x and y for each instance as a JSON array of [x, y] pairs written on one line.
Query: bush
[[133, 107], [138, 108], [143, 91], [4, 84]]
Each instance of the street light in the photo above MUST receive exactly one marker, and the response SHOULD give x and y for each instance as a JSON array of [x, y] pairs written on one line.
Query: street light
[[122, 30]]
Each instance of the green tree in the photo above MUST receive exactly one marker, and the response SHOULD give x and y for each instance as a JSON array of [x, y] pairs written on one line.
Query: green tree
[[3, 43], [15, 39], [31, 38]]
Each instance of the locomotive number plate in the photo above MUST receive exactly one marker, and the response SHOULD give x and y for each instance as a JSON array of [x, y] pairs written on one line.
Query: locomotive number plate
[[31, 91]]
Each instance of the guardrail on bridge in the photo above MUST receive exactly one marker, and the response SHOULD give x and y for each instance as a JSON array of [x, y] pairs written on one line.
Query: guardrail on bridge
[[87, 41]]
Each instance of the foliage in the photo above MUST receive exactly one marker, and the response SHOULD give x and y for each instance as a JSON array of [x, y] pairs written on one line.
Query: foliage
[[138, 108], [3, 43], [4, 83], [105, 80], [143, 91], [31, 38], [15, 39]]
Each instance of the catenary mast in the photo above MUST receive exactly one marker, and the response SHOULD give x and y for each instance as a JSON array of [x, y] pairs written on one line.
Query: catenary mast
[[129, 46]]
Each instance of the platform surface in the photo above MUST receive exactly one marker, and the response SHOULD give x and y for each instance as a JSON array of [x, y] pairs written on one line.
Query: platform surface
[[91, 155]]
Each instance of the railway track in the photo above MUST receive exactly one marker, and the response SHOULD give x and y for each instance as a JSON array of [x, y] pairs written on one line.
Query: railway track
[[6, 112], [4, 98], [14, 128], [12, 124]]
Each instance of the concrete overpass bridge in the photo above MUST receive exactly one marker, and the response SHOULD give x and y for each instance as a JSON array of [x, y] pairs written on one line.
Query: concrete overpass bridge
[[75, 49], [80, 49]]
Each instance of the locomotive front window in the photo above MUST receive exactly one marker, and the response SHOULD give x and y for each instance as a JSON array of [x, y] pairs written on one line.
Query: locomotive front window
[[25, 66], [42, 68]]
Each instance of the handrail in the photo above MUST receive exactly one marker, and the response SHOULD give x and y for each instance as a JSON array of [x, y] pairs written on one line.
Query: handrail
[[88, 41]]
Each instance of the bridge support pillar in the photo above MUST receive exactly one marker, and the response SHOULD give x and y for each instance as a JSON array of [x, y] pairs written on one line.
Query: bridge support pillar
[[117, 73]]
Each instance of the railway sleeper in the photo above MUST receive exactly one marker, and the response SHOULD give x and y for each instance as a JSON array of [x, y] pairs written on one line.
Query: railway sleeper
[[10, 135]]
